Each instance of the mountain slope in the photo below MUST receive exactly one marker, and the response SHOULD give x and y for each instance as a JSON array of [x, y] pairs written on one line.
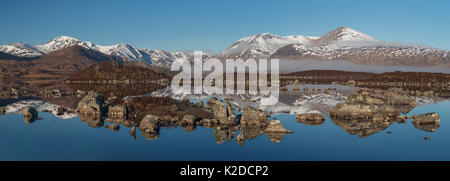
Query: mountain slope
[[260, 46], [351, 45], [21, 49], [55, 65], [341, 34], [127, 52]]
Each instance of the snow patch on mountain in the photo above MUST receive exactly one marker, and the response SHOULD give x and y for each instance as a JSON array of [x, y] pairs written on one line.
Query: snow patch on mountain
[[261, 45], [127, 52]]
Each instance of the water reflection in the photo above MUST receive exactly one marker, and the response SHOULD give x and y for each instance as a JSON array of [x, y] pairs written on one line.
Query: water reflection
[[365, 113]]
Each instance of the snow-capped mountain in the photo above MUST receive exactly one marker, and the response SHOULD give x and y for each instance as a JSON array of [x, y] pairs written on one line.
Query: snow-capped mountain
[[351, 45], [61, 42], [21, 49], [342, 34], [340, 44], [127, 52], [261, 46]]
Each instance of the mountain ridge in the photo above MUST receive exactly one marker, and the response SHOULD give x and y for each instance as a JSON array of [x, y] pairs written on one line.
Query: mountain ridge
[[342, 43]]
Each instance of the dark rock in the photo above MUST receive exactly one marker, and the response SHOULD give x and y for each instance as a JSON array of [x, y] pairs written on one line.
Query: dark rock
[[61, 111], [93, 103]]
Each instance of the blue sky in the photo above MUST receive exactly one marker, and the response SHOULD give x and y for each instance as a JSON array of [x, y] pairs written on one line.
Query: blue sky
[[215, 25]]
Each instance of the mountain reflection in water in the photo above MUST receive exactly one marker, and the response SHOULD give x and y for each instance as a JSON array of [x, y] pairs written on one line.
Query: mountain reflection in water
[[190, 124]]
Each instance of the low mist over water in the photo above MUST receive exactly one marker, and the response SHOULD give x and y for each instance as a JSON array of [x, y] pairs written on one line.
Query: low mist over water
[[288, 66]]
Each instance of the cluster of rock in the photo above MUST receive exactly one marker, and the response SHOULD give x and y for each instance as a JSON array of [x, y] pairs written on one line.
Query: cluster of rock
[[53, 93], [374, 103], [223, 111], [371, 111], [11, 94], [162, 81], [252, 123], [117, 112], [92, 104]]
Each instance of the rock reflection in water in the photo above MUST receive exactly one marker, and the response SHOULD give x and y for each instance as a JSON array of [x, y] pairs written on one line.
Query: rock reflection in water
[[371, 111], [30, 115], [92, 120], [427, 122], [363, 128], [224, 134], [312, 119], [249, 133]]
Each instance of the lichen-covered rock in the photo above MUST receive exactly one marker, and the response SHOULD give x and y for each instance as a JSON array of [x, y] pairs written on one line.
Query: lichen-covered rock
[[252, 116], [222, 111], [428, 122], [310, 118], [150, 124], [189, 119], [362, 111], [91, 104], [117, 111]]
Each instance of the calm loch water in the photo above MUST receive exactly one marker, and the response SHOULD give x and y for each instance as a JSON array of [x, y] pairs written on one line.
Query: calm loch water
[[51, 138]]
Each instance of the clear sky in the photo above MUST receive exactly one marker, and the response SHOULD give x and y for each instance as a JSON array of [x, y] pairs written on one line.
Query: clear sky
[[214, 25]]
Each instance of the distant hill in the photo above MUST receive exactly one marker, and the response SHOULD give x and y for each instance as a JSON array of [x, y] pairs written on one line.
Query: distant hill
[[55, 65], [116, 70]]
